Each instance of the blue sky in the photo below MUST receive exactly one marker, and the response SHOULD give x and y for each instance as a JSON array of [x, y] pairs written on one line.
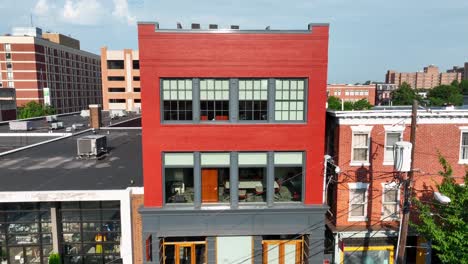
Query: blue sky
[[367, 37]]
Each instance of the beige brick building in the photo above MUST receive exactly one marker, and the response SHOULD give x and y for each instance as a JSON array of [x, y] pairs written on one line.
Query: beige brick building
[[428, 78], [120, 79]]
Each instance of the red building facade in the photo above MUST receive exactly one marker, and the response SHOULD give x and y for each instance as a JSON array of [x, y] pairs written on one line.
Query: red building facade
[[365, 197], [241, 112]]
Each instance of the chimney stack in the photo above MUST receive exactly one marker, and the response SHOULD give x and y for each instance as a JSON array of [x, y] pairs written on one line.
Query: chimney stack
[[95, 118], [195, 26]]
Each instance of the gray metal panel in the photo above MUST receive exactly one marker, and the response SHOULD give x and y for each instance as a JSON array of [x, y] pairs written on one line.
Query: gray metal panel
[[234, 180], [211, 248], [271, 100], [270, 178], [196, 100], [234, 100], [197, 180], [256, 221], [258, 250]]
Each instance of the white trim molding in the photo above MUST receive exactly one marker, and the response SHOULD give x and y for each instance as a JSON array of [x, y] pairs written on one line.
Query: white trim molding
[[463, 130], [358, 186]]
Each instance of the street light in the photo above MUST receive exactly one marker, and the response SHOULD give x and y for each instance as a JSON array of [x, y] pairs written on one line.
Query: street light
[[442, 198]]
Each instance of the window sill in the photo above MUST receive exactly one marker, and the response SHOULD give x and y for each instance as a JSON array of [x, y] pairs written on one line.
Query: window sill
[[359, 163], [357, 219], [388, 163], [462, 161], [389, 218]]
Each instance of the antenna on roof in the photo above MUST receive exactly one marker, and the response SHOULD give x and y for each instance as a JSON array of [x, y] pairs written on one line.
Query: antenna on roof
[[31, 19]]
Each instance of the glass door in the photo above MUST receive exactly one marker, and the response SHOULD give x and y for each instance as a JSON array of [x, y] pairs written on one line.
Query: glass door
[[184, 252]]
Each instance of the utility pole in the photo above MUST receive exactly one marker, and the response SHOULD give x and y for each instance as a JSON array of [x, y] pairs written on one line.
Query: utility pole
[[408, 181]]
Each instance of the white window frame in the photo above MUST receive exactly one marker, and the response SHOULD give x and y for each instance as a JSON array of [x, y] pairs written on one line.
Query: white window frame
[[360, 130], [358, 186], [391, 129], [396, 215], [463, 130]]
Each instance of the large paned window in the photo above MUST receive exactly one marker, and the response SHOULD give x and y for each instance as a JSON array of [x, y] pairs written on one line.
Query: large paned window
[[390, 139], [214, 99], [215, 177], [178, 177], [282, 251], [177, 99], [358, 201], [253, 100], [290, 100], [288, 176], [252, 177], [91, 232], [464, 147], [390, 201], [25, 233], [180, 251], [360, 147]]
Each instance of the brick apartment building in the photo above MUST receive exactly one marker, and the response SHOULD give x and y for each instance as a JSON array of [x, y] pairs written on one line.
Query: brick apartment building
[[428, 78], [120, 79], [383, 93], [7, 104], [352, 92], [49, 68], [365, 199], [224, 180]]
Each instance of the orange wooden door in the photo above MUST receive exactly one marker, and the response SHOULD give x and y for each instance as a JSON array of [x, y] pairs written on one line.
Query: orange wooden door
[[209, 185]]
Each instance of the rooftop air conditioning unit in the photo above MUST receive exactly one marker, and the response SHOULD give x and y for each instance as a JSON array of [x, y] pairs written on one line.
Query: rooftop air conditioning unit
[[51, 118], [117, 113], [402, 156], [56, 125], [84, 113], [92, 145], [21, 125]]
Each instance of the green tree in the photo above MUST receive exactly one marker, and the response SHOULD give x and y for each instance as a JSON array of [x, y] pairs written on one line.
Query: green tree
[[348, 106], [362, 104], [464, 87], [404, 95], [445, 225], [34, 109], [334, 103], [445, 95]]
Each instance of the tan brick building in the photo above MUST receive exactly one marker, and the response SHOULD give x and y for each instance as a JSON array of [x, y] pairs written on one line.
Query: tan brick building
[[50, 69], [365, 197], [120, 79], [428, 78]]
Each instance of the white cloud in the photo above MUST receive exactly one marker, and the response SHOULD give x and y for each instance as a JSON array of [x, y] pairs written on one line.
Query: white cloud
[[41, 8], [121, 11], [82, 12]]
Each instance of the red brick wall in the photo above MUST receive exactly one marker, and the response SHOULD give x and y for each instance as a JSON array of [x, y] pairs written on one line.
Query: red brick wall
[[137, 202], [430, 139], [332, 88]]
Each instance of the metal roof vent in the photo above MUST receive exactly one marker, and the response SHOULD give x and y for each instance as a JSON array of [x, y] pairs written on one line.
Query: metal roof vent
[[213, 26], [195, 26], [179, 25], [234, 26]]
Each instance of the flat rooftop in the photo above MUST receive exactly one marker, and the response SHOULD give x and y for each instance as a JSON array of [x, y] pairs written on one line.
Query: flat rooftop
[[55, 165], [40, 124]]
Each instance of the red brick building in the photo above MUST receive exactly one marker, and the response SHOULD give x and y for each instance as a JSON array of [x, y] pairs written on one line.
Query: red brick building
[[49, 68], [365, 199], [352, 92], [428, 78], [7, 104], [223, 176]]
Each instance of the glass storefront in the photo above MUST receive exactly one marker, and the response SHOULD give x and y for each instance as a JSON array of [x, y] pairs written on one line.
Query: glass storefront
[[89, 232]]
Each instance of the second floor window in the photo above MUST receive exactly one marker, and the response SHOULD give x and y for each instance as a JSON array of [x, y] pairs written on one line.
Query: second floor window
[[177, 99], [289, 100], [358, 201], [253, 99], [391, 139], [214, 99], [390, 202]]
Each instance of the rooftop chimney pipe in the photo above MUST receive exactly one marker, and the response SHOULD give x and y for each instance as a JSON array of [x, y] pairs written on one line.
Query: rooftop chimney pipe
[[95, 116]]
